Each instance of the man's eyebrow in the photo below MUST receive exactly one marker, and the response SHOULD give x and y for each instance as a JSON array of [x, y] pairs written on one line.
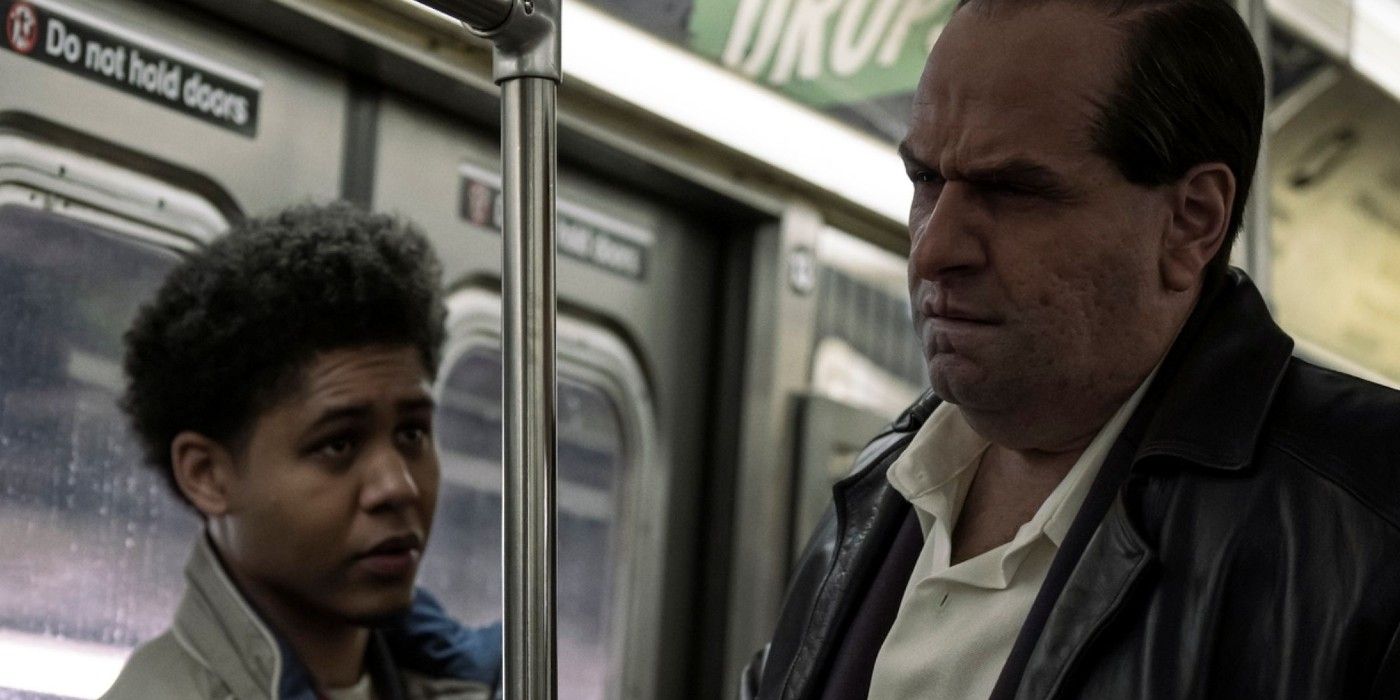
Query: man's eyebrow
[[906, 153], [1022, 174], [340, 413], [1018, 170], [418, 403], [363, 410]]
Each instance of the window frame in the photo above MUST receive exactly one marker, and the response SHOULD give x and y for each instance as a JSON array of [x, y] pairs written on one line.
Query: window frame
[[122, 203], [590, 354], [117, 199]]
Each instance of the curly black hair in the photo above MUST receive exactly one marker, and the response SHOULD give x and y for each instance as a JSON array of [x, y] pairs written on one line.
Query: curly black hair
[[234, 325]]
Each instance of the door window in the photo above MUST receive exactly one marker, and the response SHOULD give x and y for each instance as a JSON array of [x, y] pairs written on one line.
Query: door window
[[93, 542], [463, 562]]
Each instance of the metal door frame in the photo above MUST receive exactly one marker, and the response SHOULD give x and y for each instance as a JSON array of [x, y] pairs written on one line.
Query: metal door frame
[[116, 198]]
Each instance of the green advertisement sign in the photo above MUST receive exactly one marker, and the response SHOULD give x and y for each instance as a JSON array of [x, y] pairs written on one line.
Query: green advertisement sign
[[825, 53]]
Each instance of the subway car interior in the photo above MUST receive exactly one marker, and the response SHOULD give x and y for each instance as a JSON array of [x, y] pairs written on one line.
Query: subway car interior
[[733, 314]]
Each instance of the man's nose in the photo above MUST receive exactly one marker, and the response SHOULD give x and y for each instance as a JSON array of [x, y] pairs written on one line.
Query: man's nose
[[946, 239], [389, 482]]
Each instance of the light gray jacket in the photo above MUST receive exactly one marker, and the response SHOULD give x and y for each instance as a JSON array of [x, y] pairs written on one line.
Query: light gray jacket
[[218, 648]]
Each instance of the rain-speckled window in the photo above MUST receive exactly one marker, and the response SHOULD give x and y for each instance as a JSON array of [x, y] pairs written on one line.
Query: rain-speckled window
[[463, 562], [92, 543]]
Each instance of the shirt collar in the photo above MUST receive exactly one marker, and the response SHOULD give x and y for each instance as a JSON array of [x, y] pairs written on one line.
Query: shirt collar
[[943, 449], [936, 470]]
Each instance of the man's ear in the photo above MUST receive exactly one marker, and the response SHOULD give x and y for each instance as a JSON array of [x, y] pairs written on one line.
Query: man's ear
[[1201, 202], [203, 471]]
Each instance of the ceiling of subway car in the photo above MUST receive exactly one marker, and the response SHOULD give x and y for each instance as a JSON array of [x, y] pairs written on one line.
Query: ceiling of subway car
[[859, 60], [856, 60]]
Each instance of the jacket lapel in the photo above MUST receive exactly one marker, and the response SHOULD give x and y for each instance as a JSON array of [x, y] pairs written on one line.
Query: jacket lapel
[[1089, 600], [1214, 410], [868, 515]]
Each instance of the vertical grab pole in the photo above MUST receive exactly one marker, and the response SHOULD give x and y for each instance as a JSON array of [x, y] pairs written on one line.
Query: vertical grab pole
[[527, 128], [527, 66]]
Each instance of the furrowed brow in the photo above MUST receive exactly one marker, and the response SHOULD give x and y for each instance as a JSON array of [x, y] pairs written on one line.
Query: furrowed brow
[[1020, 173], [340, 413], [911, 161]]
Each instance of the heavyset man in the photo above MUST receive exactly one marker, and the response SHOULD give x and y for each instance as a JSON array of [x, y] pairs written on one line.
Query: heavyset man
[[281, 380], [1121, 484]]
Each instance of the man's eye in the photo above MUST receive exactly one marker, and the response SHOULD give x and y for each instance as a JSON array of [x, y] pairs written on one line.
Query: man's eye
[[926, 177], [1008, 189], [335, 448], [413, 434]]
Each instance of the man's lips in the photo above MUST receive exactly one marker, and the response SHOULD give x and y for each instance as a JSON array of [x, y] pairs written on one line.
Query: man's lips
[[395, 544], [954, 319], [395, 556], [944, 313]]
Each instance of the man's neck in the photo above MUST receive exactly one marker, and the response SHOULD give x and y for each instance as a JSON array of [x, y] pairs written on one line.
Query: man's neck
[[1012, 484], [1005, 494], [333, 653], [1052, 436], [332, 650]]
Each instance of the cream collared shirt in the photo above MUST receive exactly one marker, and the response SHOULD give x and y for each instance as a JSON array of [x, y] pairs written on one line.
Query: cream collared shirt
[[362, 690], [956, 624]]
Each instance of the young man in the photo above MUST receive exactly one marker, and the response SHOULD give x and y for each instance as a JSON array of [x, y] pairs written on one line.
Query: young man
[[281, 380]]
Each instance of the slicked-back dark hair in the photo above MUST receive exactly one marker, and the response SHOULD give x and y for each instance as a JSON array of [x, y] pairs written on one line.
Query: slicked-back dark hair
[[1190, 91], [233, 327]]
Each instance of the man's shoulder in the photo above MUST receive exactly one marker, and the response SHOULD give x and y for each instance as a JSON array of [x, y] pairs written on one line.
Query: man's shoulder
[[1342, 429], [163, 668]]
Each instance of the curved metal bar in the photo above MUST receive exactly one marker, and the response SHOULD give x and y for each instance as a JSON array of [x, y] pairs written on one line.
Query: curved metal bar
[[478, 15], [527, 42]]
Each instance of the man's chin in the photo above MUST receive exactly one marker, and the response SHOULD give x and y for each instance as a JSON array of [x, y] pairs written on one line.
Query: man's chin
[[955, 379], [380, 607], [388, 619]]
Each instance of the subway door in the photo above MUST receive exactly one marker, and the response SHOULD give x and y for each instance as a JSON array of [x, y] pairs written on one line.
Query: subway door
[[169, 90], [866, 367], [831, 358], [635, 284]]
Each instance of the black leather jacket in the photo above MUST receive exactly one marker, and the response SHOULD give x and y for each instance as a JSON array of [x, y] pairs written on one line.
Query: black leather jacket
[[1248, 546]]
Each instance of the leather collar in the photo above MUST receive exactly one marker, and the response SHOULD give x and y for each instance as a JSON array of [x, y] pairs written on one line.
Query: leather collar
[[1228, 366]]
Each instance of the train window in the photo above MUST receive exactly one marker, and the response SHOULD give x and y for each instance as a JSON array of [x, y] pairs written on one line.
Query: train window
[[1335, 243], [93, 543], [612, 498], [865, 353], [463, 565]]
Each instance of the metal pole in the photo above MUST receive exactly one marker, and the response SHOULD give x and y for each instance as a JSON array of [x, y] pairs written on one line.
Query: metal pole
[[525, 34], [527, 131], [478, 16]]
